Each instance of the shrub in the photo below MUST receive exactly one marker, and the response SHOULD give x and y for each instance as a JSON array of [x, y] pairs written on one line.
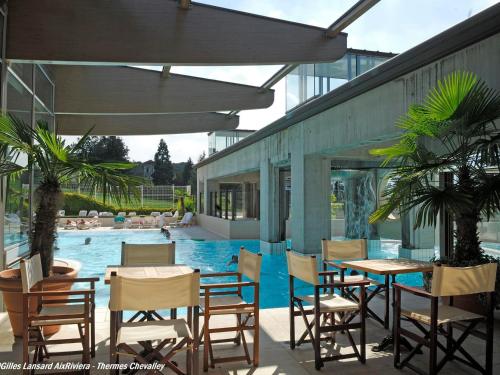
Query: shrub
[[74, 203]]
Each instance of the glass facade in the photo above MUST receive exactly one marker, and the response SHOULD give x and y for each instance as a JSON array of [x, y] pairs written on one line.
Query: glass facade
[[30, 98], [309, 81], [221, 139]]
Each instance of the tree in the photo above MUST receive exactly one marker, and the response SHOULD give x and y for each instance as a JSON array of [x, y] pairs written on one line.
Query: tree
[[164, 172], [56, 163], [202, 157], [458, 120], [187, 173], [103, 149]]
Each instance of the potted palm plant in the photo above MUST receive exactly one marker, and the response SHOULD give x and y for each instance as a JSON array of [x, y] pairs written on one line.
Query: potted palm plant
[[452, 131], [56, 163]]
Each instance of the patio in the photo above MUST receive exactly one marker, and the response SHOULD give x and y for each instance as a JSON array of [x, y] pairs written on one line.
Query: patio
[[276, 356]]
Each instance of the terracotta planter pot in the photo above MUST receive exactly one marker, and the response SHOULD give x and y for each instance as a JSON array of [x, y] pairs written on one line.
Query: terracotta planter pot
[[10, 285]]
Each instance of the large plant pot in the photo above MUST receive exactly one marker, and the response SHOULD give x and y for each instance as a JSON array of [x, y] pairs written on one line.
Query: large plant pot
[[11, 286]]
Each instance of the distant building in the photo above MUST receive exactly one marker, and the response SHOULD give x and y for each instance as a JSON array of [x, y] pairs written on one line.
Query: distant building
[[144, 170]]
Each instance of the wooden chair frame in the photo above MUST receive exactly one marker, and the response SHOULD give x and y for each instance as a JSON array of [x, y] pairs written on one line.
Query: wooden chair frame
[[149, 353], [320, 325], [242, 324], [430, 336], [351, 292], [33, 334], [142, 316]]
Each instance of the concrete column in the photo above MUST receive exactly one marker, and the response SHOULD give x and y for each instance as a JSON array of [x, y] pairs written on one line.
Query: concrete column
[[205, 196], [269, 202], [310, 214]]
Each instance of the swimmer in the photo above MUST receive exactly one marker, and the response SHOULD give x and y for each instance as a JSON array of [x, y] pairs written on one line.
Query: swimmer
[[87, 240], [234, 260]]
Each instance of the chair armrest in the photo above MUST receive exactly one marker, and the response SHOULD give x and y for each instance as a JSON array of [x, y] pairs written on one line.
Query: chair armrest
[[77, 280], [227, 285], [219, 274], [328, 273], [340, 284], [54, 293], [416, 291], [336, 265]]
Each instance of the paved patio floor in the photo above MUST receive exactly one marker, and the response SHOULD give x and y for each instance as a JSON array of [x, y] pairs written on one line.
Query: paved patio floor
[[276, 356]]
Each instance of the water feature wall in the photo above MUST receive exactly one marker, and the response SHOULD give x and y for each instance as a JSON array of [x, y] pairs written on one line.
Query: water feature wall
[[360, 202]]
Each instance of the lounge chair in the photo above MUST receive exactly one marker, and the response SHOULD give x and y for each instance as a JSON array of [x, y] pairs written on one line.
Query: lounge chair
[[61, 213], [335, 252], [106, 214], [218, 300], [148, 222], [134, 294], [331, 312], [155, 213], [167, 214], [82, 213], [132, 213], [82, 225], [443, 318], [121, 213], [185, 221], [70, 224], [135, 222], [148, 255], [119, 222], [78, 309], [93, 213]]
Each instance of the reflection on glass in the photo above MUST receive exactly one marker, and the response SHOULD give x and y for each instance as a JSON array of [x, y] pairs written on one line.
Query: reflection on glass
[[16, 211]]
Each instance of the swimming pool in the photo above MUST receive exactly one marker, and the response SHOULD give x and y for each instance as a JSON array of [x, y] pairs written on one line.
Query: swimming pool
[[209, 256]]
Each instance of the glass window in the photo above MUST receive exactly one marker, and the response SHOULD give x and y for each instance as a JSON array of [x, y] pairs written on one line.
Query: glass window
[[16, 222], [19, 99], [44, 90], [24, 72]]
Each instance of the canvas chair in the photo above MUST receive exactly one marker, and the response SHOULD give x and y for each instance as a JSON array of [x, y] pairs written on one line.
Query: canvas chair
[[335, 252], [172, 335], [227, 299], [332, 312], [148, 255], [78, 309], [444, 318]]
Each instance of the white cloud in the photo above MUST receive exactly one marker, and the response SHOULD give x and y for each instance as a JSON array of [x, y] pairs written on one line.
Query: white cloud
[[392, 25]]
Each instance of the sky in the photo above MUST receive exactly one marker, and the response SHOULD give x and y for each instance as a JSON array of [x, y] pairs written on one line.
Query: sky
[[390, 26]]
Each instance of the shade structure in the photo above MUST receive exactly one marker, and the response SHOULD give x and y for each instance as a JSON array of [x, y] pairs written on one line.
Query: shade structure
[[120, 90], [159, 32], [170, 123]]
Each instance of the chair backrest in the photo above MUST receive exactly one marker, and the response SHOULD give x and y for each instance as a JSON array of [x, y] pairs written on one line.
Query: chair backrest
[[175, 215], [344, 250], [148, 254], [93, 213], [302, 267], [457, 281], [61, 213], [186, 219], [121, 213], [82, 213], [154, 294], [249, 264], [155, 213], [31, 272], [132, 213]]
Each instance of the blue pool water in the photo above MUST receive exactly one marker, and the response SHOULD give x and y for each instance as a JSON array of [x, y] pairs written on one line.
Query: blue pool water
[[209, 256]]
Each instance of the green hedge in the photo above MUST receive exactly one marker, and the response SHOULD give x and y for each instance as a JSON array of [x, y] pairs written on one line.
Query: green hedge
[[74, 203]]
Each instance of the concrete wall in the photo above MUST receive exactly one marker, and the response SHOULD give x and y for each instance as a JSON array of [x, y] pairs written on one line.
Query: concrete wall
[[348, 130], [237, 229]]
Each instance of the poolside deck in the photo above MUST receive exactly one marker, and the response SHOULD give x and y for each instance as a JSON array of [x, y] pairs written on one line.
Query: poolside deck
[[276, 357]]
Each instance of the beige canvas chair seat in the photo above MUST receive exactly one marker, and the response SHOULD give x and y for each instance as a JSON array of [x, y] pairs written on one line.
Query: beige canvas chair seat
[[60, 310], [153, 330], [446, 314], [227, 301], [354, 278], [331, 303]]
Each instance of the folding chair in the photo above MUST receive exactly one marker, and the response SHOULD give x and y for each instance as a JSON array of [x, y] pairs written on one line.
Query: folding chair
[[443, 319], [335, 252], [220, 299], [148, 255], [51, 309], [332, 313], [171, 336]]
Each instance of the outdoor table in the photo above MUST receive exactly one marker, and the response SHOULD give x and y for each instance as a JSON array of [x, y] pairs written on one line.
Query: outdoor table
[[389, 268], [147, 272]]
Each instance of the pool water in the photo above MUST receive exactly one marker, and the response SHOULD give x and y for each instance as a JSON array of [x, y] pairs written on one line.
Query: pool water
[[209, 256]]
